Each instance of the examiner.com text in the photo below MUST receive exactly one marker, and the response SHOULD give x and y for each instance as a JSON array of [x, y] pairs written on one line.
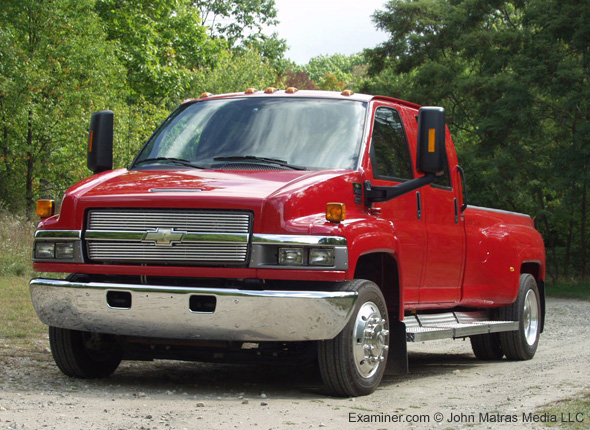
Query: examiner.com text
[[481, 417]]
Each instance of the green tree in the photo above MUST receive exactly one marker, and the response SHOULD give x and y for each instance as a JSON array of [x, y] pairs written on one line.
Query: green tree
[[513, 77], [337, 71], [233, 71], [160, 43], [241, 24], [56, 68]]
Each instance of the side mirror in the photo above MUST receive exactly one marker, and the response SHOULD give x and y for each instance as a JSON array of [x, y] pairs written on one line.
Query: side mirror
[[431, 140], [100, 142]]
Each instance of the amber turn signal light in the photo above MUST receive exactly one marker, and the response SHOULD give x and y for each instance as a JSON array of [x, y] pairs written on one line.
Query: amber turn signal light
[[45, 208], [335, 212]]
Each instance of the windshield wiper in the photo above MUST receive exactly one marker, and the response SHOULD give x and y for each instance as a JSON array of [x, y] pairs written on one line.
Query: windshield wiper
[[172, 160], [254, 158]]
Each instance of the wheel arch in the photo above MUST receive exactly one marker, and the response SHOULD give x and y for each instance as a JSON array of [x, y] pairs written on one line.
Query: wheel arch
[[382, 268]]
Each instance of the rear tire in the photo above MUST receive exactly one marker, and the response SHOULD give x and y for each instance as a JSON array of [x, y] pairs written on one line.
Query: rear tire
[[84, 355], [353, 363], [522, 343], [487, 346]]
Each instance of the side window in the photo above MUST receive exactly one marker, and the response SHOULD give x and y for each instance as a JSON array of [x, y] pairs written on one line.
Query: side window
[[390, 155]]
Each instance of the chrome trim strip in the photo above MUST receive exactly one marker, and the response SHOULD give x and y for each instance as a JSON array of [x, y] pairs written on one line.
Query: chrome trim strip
[[192, 237], [58, 234], [163, 311], [304, 240]]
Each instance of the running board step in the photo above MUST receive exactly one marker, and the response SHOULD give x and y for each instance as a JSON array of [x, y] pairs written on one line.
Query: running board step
[[453, 325]]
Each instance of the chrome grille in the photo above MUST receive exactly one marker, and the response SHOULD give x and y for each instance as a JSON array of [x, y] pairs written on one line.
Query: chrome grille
[[168, 237], [230, 222]]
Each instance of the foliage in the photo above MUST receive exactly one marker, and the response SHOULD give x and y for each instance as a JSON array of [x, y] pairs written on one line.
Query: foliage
[[233, 72], [240, 23], [569, 289], [61, 60], [331, 73], [16, 239], [54, 63], [513, 77], [160, 43]]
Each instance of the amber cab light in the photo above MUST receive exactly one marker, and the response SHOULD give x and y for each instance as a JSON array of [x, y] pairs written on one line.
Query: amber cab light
[[251, 90], [291, 90], [347, 92], [45, 208], [205, 95], [335, 212]]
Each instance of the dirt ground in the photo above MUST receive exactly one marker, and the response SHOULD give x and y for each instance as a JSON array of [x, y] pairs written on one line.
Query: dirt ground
[[445, 383]]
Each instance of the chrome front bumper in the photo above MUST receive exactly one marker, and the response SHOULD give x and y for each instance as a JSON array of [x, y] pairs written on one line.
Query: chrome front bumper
[[164, 312]]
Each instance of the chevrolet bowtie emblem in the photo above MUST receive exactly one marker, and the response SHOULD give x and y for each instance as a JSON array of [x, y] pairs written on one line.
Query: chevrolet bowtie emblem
[[163, 236]]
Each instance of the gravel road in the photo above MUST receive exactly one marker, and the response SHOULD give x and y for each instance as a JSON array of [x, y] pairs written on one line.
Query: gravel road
[[445, 383]]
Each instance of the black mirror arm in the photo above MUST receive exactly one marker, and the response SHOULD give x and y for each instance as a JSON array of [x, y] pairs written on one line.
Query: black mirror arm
[[383, 194]]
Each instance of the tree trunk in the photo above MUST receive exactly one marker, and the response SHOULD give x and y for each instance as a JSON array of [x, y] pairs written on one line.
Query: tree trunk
[[29, 198]]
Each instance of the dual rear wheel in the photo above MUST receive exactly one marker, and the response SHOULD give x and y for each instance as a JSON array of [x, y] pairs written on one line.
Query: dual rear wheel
[[522, 343]]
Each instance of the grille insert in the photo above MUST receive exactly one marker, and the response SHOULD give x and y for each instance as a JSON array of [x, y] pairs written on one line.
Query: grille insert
[[168, 237]]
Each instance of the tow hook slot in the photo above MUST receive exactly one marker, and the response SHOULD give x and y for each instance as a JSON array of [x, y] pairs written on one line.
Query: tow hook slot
[[119, 299], [203, 304]]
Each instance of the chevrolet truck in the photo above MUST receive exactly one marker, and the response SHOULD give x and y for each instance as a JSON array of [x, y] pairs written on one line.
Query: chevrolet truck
[[284, 225]]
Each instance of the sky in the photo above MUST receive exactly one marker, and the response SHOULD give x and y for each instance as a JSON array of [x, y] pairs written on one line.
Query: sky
[[326, 27]]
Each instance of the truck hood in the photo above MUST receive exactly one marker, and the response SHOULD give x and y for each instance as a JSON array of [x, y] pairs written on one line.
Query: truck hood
[[273, 192], [186, 184]]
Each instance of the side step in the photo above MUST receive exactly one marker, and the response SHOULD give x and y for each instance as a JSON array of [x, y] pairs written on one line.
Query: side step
[[453, 325]]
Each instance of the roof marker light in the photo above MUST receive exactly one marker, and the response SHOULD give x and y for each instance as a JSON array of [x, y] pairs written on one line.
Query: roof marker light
[[347, 92], [270, 90], [251, 90], [291, 90], [205, 95]]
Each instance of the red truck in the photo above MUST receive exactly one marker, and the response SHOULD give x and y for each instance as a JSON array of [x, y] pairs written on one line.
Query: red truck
[[284, 225]]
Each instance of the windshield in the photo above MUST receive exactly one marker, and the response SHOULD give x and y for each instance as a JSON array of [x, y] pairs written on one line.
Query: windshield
[[296, 133]]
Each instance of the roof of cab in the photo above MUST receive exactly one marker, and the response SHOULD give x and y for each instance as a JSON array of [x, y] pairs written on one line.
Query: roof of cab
[[293, 92]]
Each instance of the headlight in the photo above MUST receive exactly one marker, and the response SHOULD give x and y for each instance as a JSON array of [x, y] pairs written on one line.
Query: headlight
[[291, 256], [45, 250], [321, 257], [61, 246], [64, 250]]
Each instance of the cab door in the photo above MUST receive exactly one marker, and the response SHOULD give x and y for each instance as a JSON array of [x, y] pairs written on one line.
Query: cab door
[[391, 163], [445, 231]]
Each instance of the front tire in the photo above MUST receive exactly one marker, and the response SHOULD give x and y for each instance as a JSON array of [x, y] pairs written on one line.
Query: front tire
[[522, 343], [84, 355], [353, 363]]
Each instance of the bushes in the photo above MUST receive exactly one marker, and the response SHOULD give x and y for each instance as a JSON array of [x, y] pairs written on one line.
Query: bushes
[[16, 239]]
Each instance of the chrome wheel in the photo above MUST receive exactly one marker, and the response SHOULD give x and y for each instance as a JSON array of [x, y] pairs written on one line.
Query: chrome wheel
[[353, 363], [531, 317], [370, 340], [522, 344]]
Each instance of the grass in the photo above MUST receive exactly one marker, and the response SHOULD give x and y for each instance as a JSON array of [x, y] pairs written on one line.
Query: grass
[[16, 243], [569, 289], [17, 316], [572, 413]]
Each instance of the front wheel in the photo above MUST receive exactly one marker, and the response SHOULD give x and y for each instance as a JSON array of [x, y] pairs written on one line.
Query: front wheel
[[353, 363], [84, 355]]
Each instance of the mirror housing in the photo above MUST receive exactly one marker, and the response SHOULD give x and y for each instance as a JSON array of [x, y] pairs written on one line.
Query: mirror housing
[[431, 140], [100, 141]]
